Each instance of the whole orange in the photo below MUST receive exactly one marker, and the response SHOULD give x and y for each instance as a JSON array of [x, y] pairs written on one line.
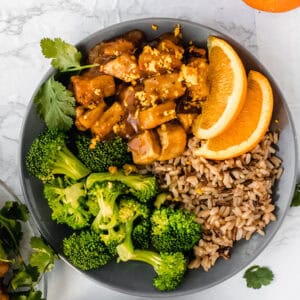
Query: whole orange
[[273, 5]]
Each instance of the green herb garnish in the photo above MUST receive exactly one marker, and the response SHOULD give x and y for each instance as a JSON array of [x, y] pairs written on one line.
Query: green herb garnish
[[296, 198], [257, 276], [25, 275], [65, 57], [55, 105]]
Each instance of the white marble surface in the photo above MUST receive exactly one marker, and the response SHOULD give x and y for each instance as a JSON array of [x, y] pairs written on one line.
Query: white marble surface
[[273, 38]]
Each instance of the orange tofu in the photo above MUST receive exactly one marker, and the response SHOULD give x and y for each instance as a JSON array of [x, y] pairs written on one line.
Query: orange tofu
[[157, 115], [145, 147], [105, 51], [165, 58], [127, 98], [186, 120], [87, 119], [90, 91], [172, 139], [124, 67], [195, 76], [165, 87], [104, 125]]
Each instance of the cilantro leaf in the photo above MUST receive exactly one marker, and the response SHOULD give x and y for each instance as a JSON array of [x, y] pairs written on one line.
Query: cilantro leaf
[[43, 256], [65, 57], [296, 198], [32, 295], [11, 234], [55, 105], [26, 276], [257, 276], [15, 210], [3, 254]]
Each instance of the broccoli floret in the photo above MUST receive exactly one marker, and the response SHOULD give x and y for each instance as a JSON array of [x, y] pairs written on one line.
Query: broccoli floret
[[141, 234], [113, 152], [170, 267], [105, 194], [85, 250], [49, 155], [112, 237], [67, 202], [102, 204], [174, 230], [143, 187]]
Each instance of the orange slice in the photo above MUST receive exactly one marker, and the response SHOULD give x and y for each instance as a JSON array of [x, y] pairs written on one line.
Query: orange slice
[[249, 127], [273, 5], [228, 85]]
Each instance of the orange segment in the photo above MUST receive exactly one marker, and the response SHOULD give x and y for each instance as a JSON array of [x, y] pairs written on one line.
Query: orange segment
[[249, 127], [228, 85], [273, 5]]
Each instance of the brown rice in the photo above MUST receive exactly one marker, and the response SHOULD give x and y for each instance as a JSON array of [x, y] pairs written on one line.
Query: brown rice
[[232, 199]]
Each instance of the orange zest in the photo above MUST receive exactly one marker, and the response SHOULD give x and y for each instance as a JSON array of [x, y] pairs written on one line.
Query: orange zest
[[228, 85], [249, 127], [273, 5]]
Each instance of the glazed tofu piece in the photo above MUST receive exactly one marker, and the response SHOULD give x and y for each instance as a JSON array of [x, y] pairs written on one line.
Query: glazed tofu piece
[[105, 51], [168, 46], [89, 91], [165, 87], [145, 147], [195, 76], [137, 37], [172, 139], [186, 120], [104, 125], [165, 58], [87, 118], [126, 95], [124, 67], [157, 115]]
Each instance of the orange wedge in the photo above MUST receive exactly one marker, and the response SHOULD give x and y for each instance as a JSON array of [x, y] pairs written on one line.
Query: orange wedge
[[249, 127], [228, 86]]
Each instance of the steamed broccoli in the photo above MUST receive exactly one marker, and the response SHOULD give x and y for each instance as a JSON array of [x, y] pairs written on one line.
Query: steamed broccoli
[[49, 155], [107, 153], [67, 202], [143, 187], [112, 237], [85, 250], [174, 230], [170, 268], [141, 234], [105, 194]]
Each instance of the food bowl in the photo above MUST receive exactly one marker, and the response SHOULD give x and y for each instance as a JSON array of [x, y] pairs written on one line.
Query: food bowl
[[136, 278]]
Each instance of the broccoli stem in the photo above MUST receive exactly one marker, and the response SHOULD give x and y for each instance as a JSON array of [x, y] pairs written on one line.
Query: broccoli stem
[[106, 204], [150, 257], [68, 164], [127, 252]]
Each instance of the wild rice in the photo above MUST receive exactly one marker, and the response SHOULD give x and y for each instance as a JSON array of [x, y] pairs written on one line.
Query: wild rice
[[232, 199]]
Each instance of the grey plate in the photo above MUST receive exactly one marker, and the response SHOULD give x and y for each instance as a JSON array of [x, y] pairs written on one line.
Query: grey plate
[[136, 278]]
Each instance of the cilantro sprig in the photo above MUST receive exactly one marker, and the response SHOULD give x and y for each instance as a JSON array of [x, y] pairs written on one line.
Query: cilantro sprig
[[55, 104], [257, 276], [65, 57], [296, 198], [26, 275]]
